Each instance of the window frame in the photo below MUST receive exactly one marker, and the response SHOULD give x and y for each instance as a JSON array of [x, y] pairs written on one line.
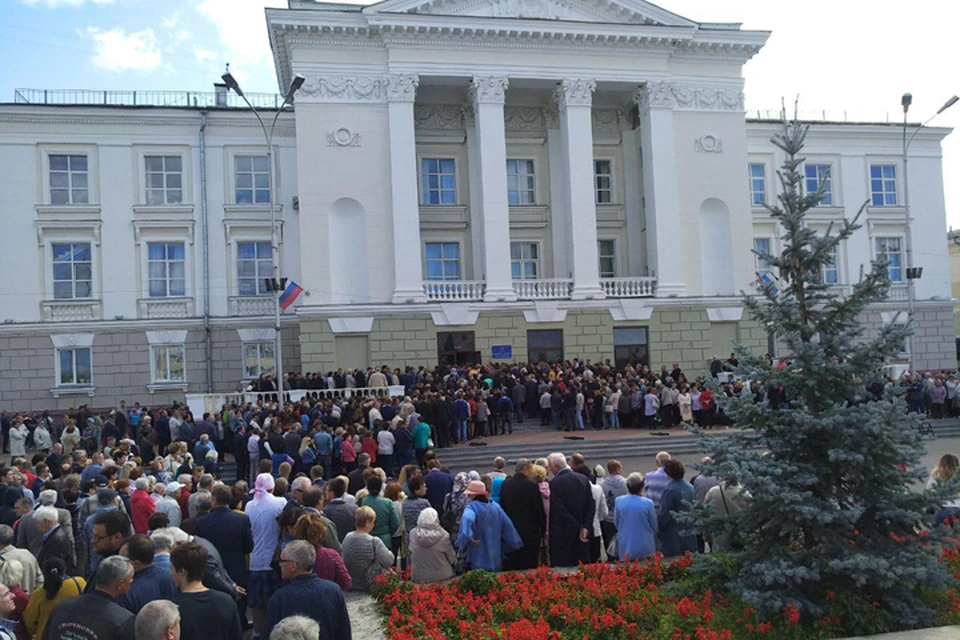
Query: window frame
[[93, 165], [423, 175], [614, 257], [70, 173], [157, 349], [901, 267], [538, 275], [442, 260], [167, 262], [73, 269], [645, 359], [239, 154], [532, 190], [835, 268], [830, 198], [74, 350], [895, 180], [261, 290], [545, 349], [611, 176], [259, 344], [163, 156], [757, 259], [752, 182]]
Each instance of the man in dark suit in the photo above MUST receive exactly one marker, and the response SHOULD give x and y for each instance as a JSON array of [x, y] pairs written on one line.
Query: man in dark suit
[[56, 543], [521, 500], [229, 532], [571, 514]]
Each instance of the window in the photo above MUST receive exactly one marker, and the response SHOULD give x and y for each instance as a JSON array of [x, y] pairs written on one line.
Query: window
[[761, 264], [545, 345], [889, 249], [443, 260], [524, 260], [165, 268], [258, 359], [457, 348], [828, 270], [603, 176], [758, 184], [254, 264], [164, 179], [630, 346], [520, 182], [815, 174], [72, 271], [167, 363], [252, 179], [69, 180], [607, 253], [74, 367], [438, 181], [883, 185]]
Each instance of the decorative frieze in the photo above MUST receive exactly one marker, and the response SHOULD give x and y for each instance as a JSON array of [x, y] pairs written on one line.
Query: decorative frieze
[[672, 95], [439, 117], [343, 137], [524, 119], [575, 93], [344, 88], [402, 87], [708, 144], [488, 89], [608, 121]]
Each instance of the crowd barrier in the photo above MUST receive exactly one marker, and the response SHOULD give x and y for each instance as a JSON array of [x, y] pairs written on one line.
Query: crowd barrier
[[200, 403]]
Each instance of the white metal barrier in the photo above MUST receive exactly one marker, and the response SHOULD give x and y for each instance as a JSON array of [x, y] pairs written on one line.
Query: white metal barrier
[[200, 403]]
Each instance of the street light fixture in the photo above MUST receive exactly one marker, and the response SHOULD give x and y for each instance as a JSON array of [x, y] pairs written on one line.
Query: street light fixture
[[276, 284], [913, 273]]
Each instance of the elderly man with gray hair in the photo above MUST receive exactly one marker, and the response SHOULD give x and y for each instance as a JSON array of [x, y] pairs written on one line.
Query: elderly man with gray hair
[[158, 620], [206, 485], [27, 535], [32, 577], [572, 509], [55, 542], [296, 628], [96, 612]]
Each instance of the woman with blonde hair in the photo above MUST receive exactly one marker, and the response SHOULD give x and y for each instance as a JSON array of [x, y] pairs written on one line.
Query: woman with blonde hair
[[540, 477], [329, 564], [943, 472]]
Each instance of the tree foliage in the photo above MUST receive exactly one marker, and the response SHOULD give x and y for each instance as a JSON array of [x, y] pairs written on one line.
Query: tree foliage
[[832, 477]]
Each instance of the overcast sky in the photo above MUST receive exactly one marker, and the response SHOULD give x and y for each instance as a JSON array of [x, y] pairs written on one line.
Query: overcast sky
[[850, 56]]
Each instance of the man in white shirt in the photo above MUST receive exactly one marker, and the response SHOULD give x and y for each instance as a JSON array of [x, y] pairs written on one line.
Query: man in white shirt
[[385, 445], [374, 414], [656, 481]]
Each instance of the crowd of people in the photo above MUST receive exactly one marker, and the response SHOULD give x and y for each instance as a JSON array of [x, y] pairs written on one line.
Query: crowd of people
[[120, 524]]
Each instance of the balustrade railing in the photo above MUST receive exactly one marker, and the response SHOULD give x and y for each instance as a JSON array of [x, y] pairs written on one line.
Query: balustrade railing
[[547, 289], [453, 290], [630, 287]]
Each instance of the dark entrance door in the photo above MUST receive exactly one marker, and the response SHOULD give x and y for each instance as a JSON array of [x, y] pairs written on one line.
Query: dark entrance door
[[457, 348]]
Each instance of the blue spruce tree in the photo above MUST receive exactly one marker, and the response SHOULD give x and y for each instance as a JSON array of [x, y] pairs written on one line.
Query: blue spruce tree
[[832, 475]]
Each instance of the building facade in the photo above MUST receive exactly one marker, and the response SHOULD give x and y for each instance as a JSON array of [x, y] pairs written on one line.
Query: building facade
[[460, 180]]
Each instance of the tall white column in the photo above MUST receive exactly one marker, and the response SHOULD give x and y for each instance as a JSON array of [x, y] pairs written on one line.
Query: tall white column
[[656, 102], [408, 272], [488, 96], [574, 103]]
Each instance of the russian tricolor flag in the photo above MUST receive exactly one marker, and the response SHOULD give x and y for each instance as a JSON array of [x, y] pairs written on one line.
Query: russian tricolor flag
[[290, 294]]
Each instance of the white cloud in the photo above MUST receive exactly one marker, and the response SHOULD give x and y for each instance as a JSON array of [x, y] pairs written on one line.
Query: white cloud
[[205, 55], [171, 21], [121, 51], [242, 30]]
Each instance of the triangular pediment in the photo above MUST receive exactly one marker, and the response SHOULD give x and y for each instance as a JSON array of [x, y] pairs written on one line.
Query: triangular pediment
[[599, 11]]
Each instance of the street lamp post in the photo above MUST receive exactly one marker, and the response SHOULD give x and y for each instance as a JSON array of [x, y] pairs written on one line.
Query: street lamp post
[[913, 273], [275, 284]]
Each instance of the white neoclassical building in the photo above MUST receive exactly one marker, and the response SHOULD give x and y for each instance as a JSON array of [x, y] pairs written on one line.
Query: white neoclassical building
[[459, 180]]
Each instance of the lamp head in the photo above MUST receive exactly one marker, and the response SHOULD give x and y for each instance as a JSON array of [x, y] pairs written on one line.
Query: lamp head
[[231, 82], [949, 103], [906, 101], [295, 85]]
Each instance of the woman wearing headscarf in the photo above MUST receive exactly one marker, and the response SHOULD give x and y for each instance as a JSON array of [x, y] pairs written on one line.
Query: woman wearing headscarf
[[455, 502], [486, 532], [432, 558], [263, 511]]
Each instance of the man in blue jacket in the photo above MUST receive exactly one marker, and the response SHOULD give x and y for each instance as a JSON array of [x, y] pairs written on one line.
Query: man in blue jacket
[[150, 582]]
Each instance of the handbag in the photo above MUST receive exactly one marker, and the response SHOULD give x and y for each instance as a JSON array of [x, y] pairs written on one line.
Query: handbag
[[463, 565]]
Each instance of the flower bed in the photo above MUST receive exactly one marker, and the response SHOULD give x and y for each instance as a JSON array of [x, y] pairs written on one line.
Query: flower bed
[[653, 600]]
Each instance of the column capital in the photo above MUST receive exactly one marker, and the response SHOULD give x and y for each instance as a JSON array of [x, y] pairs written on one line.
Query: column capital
[[488, 89], [401, 87], [575, 93], [655, 95]]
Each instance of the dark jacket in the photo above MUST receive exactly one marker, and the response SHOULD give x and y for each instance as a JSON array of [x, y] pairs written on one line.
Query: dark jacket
[[232, 535], [216, 577], [92, 616], [309, 596], [58, 545], [355, 479], [521, 500], [571, 509], [343, 515], [439, 484], [149, 584]]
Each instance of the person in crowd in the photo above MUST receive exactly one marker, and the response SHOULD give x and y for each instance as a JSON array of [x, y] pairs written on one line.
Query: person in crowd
[[142, 505], [329, 564], [431, 554], [365, 555], [103, 618], [296, 628], [600, 511], [58, 585], [263, 511], [158, 620], [110, 528], [307, 595], [167, 502], [337, 509], [521, 501], [387, 520], [7, 608], [726, 499], [572, 512], [613, 485], [656, 481], [31, 568], [356, 477], [635, 519], [943, 472], [150, 582], [486, 533], [676, 537], [206, 614], [439, 484], [56, 543], [414, 504], [11, 576]]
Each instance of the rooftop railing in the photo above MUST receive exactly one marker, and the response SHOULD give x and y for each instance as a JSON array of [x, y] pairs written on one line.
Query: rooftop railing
[[145, 98]]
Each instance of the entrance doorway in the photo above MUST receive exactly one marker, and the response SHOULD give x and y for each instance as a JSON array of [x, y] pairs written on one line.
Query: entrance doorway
[[457, 349]]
